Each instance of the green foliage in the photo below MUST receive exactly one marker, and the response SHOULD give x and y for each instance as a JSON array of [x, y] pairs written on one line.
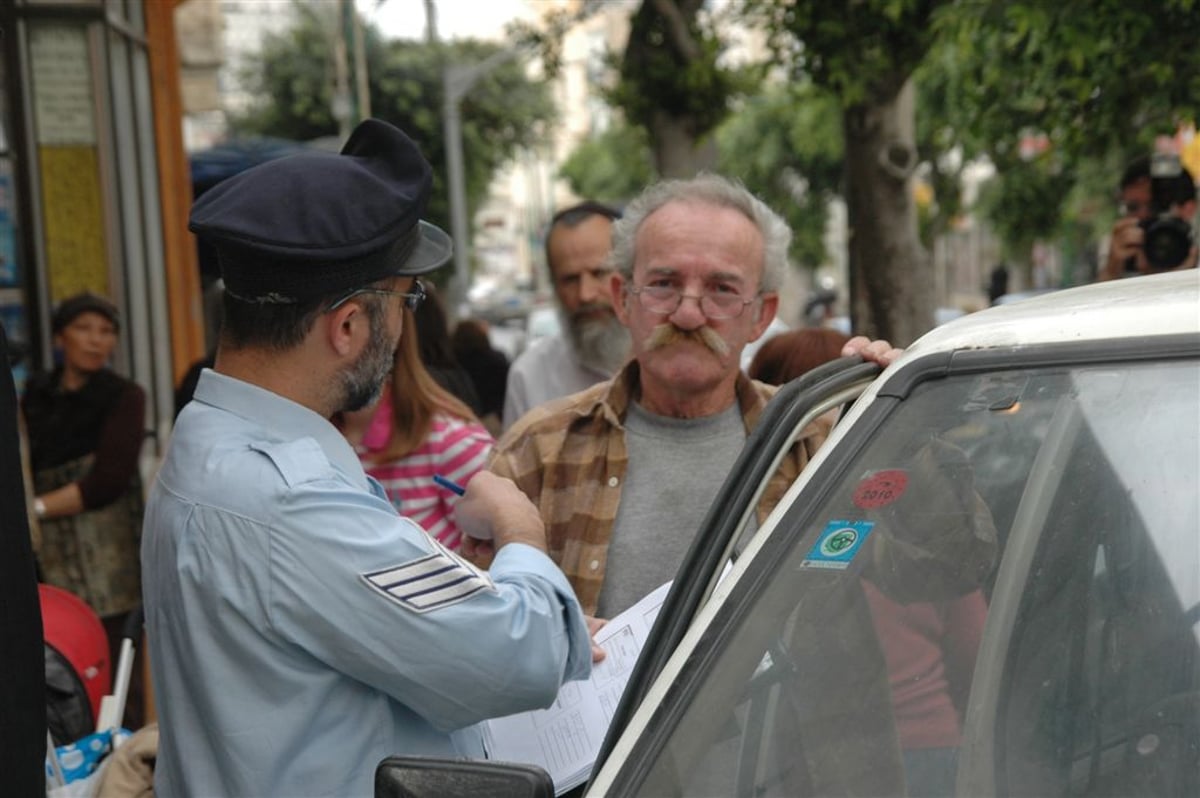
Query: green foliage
[[1100, 80], [612, 167], [1093, 76], [667, 70], [862, 51], [785, 145], [292, 80], [1025, 204]]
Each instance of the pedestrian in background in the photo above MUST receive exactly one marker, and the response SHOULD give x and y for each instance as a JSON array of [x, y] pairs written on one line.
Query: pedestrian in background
[[593, 343], [796, 352], [487, 366], [416, 430], [86, 424], [437, 354], [1147, 199]]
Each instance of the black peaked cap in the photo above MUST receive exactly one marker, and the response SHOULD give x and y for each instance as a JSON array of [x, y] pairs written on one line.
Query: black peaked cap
[[316, 223]]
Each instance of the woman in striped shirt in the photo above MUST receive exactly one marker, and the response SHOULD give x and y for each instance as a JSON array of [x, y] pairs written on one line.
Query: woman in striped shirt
[[416, 430]]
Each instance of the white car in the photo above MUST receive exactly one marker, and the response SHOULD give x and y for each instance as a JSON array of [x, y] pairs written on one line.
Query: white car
[[987, 583]]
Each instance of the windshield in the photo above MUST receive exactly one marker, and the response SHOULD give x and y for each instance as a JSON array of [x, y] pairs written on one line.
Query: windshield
[[998, 596]]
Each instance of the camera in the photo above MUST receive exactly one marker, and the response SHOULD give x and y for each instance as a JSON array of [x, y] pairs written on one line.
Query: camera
[[1167, 239]]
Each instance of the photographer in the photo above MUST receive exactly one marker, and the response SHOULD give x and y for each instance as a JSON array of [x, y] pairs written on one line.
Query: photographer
[[1154, 233]]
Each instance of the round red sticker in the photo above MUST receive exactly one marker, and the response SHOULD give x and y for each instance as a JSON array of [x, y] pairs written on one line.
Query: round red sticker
[[880, 489]]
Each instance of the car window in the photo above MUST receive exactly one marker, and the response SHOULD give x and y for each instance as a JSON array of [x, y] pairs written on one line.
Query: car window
[[998, 595]]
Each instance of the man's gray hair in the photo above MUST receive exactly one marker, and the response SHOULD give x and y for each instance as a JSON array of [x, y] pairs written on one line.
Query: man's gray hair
[[707, 189]]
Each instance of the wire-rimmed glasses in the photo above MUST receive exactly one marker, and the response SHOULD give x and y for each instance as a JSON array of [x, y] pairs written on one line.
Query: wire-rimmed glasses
[[665, 300], [412, 299]]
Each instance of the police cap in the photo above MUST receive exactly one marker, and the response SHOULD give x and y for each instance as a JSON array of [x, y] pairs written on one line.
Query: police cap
[[313, 224]]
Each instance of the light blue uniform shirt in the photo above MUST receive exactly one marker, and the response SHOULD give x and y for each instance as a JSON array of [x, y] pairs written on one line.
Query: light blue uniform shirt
[[300, 630]]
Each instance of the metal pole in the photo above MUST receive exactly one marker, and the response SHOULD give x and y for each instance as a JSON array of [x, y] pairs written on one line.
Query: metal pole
[[456, 82], [361, 82], [456, 188]]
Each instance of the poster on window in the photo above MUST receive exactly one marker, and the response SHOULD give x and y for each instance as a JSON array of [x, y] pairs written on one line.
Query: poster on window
[[10, 273], [68, 161], [63, 108]]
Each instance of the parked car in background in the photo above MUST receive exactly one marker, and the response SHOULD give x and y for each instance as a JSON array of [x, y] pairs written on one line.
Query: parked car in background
[[987, 583]]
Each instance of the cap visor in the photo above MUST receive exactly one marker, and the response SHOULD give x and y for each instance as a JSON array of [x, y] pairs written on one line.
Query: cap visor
[[433, 250]]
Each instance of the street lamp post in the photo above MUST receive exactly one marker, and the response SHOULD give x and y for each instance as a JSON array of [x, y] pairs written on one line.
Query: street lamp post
[[457, 80]]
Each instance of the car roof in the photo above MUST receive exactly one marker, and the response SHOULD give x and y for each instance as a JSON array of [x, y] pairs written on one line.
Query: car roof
[[1137, 307]]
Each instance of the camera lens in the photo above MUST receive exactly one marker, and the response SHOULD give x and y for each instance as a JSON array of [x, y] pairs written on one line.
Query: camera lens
[[1167, 242]]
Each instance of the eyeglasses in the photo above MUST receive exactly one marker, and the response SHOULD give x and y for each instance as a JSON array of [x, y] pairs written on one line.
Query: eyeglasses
[[412, 299], [665, 300]]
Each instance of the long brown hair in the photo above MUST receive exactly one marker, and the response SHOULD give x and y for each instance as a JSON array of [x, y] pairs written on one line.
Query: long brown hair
[[416, 397]]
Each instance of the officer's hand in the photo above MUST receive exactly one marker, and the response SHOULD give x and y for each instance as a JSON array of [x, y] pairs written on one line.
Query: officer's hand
[[595, 625], [879, 351], [494, 509]]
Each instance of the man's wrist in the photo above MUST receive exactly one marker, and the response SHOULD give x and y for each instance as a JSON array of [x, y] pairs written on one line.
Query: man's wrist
[[536, 540], [39, 508]]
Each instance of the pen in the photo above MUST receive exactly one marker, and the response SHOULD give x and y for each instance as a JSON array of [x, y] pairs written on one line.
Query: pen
[[449, 484]]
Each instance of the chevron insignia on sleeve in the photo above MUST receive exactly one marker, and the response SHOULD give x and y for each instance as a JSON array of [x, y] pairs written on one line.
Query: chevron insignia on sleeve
[[432, 582]]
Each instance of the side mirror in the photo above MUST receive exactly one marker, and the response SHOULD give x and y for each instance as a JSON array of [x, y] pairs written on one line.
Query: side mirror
[[423, 777]]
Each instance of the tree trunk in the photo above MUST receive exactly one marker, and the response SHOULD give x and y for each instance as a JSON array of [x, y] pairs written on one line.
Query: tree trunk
[[676, 151], [891, 275]]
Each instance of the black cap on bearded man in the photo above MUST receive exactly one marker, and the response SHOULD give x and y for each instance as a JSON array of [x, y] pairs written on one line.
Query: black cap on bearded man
[[315, 224]]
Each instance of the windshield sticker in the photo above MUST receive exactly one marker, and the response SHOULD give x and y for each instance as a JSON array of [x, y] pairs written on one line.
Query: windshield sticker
[[880, 489], [838, 544]]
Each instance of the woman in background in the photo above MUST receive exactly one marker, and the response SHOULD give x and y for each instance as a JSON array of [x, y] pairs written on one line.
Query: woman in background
[[86, 424], [416, 430], [487, 366]]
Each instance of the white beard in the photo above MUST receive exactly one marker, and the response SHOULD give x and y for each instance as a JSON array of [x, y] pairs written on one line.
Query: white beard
[[600, 344]]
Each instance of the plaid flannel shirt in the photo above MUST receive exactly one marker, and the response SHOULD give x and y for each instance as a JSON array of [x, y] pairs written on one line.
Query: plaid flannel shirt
[[569, 457]]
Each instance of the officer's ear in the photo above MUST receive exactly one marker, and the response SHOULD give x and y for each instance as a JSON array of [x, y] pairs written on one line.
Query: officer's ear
[[346, 326]]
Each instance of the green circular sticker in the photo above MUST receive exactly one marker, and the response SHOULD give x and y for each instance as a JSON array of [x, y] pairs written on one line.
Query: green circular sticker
[[839, 542]]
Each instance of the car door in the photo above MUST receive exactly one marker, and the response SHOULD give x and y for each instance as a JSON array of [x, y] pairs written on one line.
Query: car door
[[986, 585]]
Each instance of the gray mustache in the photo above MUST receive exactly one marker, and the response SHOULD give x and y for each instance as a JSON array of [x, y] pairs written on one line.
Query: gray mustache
[[665, 334]]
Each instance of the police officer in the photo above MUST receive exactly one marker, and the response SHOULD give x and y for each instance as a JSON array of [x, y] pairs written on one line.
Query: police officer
[[299, 629]]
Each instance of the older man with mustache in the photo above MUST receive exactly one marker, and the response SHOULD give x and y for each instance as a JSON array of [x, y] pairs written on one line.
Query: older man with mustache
[[594, 344], [624, 471]]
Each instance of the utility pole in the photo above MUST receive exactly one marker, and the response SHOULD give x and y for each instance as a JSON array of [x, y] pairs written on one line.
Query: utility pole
[[457, 80], [341, 109], [431, 31], [350, 105], [361, 85]]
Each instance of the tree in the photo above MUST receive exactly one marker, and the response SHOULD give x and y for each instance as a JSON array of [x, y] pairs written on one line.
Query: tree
[[866, 53], [672, 84], [1094, 82], [292, 80], [785, 144], [611, 167]]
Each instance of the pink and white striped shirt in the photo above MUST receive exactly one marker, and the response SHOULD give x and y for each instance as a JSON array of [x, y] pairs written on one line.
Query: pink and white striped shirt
[[454, 448]]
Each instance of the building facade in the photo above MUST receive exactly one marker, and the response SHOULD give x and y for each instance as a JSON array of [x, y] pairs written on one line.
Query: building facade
[[94, 188]]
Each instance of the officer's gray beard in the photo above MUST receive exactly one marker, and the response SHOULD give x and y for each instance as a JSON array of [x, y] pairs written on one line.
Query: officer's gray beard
[[600, 344], [668, 333], [363, 382]]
